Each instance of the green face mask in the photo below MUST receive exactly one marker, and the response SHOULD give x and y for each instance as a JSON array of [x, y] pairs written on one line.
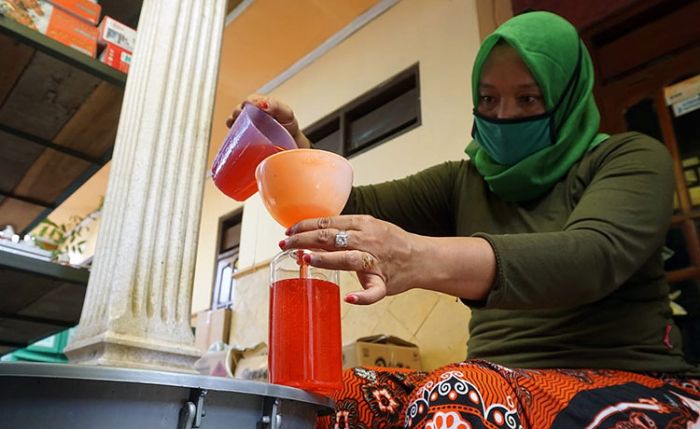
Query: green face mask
[[508, 141]]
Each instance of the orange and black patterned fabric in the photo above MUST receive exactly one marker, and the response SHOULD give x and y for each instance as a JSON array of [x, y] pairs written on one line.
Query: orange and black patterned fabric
[[478, 394]]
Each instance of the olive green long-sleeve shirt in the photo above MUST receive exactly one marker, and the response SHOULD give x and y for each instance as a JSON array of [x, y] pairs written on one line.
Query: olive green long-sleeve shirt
[[580, 280]]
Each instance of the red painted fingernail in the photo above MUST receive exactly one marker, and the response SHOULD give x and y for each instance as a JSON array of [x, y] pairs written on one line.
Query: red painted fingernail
[[306, 258], [282, 244], [351, 299], [263, 104], [288, 231]]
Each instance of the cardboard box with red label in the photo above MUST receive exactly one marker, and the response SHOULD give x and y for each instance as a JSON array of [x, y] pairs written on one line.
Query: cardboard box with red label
[[86, 10], [118, 41], [116, 57], [113, 31], [55, 23]]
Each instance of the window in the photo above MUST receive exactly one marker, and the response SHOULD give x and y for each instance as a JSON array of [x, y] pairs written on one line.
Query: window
[[224, 292], [382, 113]]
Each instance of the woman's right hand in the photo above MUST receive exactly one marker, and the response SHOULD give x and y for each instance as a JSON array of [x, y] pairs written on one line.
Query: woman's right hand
[[278, 110]]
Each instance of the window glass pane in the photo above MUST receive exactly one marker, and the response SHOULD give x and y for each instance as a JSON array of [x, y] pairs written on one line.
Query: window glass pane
[[642, 117], [230, 231], [230, 237], [380, 114], [386, 120], [224, 292], [676, 243], [327, 136], [225, 285], [687, 130]]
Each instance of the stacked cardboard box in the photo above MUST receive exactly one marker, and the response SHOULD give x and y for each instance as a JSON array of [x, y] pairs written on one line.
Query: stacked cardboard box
[[118, 41], [212, 327], [87, 10], [71, 22], [381, 350]]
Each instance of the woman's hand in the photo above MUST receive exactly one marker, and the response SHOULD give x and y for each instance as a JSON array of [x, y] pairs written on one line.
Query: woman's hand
[[389, 260], [382, 254], [278, 110]]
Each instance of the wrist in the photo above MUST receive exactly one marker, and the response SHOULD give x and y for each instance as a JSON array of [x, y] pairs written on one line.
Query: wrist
[[301, 140], [426, 264], [464, 267]]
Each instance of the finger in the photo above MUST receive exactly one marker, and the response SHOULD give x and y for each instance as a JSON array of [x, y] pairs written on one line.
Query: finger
[[280, 111], [342, 223], [374, 290], [256, 99], [234, 114], [325, 239], [348, 260]]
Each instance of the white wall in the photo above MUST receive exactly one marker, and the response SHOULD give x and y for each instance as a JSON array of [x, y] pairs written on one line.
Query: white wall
[[443, 36], [440, 34]]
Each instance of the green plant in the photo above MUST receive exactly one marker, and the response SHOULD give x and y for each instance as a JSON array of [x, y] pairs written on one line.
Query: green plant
[[64, 237]]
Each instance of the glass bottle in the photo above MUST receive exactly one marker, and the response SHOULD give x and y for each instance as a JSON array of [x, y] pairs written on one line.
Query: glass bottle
[[305, 338]]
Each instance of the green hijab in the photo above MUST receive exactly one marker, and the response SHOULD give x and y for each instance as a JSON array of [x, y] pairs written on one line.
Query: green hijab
[[551, 48]]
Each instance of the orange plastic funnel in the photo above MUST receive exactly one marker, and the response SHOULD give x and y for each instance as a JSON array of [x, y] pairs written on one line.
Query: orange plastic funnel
[[302, 184]]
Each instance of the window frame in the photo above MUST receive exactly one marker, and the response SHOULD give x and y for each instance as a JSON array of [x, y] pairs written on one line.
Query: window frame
[[223, 256], [341, 119]]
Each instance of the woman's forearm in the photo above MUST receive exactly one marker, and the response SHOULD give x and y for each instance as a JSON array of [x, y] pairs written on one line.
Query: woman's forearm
[[464, 267]]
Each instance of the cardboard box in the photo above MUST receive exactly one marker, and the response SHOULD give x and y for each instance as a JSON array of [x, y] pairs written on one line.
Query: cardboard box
[[212, 326], [251, 363], [245, 364], [42, 16], [682, 91], [82, 9], [381, 350], [217, 364], [116, 57], [113, 31]]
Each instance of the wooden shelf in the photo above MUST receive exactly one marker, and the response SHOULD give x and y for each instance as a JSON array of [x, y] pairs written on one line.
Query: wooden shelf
[[64, 53], [59, 111], [39, 299]]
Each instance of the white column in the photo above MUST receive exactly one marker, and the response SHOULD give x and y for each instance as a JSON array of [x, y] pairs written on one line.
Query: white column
[[137, 308]]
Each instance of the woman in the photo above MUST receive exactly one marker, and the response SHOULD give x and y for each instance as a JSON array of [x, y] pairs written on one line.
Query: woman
[[552, 233]]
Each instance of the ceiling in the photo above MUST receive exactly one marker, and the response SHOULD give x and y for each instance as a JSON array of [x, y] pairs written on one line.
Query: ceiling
[[265, 39]]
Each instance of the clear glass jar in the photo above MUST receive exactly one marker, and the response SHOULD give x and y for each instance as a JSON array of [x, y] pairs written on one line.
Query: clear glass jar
[[305, 338]]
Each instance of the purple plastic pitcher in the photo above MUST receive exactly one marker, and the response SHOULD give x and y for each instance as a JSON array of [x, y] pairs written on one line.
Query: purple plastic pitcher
[[254, 136]]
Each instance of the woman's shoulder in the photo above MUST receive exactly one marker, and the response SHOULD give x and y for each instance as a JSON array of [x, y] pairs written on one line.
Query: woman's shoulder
[[629, 145], [632, 140], [448, 167]]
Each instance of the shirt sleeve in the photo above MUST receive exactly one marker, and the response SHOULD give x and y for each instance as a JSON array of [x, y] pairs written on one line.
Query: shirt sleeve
[[618, 224], [422, 203]]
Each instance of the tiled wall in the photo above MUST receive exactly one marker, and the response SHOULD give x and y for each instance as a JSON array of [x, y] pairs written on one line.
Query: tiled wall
[[436, 323]]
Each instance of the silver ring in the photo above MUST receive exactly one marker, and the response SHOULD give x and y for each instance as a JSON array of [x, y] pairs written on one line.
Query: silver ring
[[341, 239]]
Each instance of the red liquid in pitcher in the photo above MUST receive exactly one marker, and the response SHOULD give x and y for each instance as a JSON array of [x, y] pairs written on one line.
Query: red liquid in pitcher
[[305, 350], [236, 177]]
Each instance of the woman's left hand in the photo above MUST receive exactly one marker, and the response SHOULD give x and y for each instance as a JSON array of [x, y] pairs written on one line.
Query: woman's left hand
[[385, 257]]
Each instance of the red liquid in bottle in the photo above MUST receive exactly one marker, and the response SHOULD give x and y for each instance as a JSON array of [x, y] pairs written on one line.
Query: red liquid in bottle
[[234, 172], [305, 350]]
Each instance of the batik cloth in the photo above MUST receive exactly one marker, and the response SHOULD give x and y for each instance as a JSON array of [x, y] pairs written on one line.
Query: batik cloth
[[478, 394]]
